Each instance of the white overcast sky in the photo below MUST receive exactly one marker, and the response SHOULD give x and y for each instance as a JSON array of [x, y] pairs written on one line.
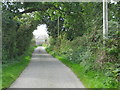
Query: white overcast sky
[[41, 32]]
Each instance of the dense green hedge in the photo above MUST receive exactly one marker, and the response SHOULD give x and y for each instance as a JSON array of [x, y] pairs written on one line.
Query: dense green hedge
[[89, 52], [16, 35], [12, 70]]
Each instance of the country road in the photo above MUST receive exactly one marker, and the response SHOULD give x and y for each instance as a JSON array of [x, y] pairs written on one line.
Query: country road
[[45, 71]]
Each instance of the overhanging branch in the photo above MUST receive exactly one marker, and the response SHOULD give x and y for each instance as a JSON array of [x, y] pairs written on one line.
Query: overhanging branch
[[36, 9]]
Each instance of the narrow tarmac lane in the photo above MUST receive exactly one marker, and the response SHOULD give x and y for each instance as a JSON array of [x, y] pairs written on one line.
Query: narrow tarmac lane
[[45, 71]]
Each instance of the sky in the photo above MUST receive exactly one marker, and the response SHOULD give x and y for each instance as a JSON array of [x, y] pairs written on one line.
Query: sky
[[41, 32]]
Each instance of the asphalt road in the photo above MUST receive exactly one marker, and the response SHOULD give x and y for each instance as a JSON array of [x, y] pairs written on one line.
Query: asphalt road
[[45, 71]]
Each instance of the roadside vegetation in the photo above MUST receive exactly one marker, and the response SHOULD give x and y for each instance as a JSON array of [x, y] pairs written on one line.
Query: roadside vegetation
[[75, 30], [13, 69], [95, 65], [95, 60]]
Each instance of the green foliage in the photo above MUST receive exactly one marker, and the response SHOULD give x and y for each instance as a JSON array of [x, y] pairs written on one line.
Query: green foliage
[[90, 79], [89, 52], [12, 70], [80, 35], [16, 34], [75, 19]]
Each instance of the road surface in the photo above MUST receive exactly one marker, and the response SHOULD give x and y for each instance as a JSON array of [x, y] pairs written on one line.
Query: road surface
[[45, 71]]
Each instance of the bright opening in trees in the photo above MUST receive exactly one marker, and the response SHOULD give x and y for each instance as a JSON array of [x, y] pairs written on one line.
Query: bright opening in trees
[[40, 34]]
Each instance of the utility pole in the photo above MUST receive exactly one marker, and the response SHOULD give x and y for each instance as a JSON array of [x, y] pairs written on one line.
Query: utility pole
[[105, 19], [58, 25]]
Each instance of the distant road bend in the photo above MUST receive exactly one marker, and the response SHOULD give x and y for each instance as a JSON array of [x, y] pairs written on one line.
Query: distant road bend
[[45, 71]]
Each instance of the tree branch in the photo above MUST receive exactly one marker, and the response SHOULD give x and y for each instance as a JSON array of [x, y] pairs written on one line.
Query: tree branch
[[35, 9]]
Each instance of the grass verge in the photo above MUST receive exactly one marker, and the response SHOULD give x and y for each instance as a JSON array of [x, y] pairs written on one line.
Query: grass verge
[[11, 71], [91, 78]]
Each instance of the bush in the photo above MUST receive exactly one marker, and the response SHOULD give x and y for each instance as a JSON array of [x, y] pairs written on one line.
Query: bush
[[89, 52]]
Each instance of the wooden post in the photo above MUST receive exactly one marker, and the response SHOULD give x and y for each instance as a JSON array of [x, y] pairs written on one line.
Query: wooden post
[[58, 25]]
